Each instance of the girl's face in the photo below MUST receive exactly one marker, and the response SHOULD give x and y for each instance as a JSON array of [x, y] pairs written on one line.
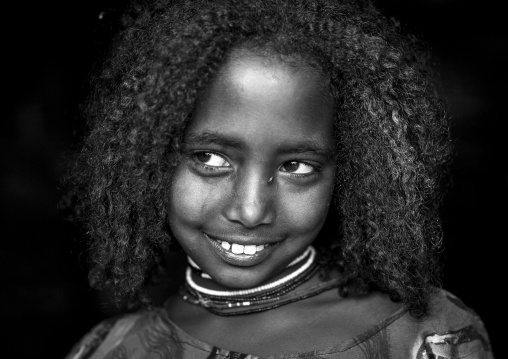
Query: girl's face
[[254, 185]]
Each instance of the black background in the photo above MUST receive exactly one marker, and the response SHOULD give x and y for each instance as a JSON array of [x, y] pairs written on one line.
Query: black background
[[48, 51]]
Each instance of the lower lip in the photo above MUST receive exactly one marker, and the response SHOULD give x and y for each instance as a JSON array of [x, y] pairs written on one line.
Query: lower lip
[[241, 260]]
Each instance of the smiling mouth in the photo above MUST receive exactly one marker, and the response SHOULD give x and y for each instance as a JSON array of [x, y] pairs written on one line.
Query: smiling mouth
[[236, 248], [240, 254]]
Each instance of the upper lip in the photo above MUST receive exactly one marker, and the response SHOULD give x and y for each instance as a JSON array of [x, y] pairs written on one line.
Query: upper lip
[[245, 240]]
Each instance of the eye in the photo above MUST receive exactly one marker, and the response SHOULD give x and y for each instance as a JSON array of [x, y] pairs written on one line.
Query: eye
[[297, 168], [211, 159]]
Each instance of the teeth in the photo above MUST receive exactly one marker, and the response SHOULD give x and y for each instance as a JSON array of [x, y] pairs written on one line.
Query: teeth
[[242, 249], [237, 248], [249, 249]]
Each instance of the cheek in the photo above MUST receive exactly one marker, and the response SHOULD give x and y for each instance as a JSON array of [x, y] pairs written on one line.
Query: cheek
[[307, 211], [191, 199]]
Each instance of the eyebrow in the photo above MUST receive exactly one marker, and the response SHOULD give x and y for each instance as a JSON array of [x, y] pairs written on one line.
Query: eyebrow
[[212, 138], [309, 146], [303, 146]]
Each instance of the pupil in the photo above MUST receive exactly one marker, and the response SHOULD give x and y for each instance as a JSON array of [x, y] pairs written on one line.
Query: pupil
[[203, 157], [291, 166]]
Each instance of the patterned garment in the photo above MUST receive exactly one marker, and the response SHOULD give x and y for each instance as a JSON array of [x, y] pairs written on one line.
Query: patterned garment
[[451, 331]]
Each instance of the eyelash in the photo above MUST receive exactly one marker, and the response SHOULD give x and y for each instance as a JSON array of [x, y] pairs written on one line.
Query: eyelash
[[207, 167], [316, 168]]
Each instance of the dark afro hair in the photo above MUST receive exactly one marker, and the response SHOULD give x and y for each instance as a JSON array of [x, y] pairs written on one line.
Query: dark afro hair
[[391, 129]]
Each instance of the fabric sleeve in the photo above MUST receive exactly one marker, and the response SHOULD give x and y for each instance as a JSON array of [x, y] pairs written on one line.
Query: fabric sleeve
[[471, 341], [463, 343], [103, 338]]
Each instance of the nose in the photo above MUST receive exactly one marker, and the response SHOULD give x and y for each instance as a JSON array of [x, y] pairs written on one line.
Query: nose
[[251, 202]]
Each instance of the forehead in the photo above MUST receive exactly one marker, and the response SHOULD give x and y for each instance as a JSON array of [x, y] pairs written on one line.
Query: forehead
[[271, 77], [266, 96]]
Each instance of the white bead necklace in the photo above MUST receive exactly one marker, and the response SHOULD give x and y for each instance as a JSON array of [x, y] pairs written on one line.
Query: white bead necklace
[[227, 293], [295, 261]]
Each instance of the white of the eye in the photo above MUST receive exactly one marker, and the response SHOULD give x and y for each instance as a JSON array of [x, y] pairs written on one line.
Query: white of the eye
[[303, 168], [216, 161]]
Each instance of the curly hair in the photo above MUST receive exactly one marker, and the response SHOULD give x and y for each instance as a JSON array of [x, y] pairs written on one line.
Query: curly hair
[[391, 130]]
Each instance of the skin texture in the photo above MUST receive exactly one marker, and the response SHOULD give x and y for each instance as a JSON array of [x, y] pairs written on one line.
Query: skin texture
[[256, 118], [260, 118]]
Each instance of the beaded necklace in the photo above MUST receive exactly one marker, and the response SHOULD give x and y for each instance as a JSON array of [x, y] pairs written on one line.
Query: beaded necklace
[[257, 299]]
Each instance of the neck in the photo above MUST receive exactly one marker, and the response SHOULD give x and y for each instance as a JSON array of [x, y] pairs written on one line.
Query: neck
[[273, 294]]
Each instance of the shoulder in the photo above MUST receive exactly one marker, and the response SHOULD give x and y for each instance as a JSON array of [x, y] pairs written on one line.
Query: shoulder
[[122, 336], [450, 330]]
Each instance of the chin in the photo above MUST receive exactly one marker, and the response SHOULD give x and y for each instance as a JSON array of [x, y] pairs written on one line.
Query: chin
[[244, 277]]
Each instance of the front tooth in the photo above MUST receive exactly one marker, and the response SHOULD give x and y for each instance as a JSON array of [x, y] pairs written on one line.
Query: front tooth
[[237, 248], [251, 249], [225, 245], [260, 247]]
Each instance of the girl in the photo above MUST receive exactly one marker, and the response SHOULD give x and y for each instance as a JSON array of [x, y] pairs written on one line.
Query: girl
[[293, 150]]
